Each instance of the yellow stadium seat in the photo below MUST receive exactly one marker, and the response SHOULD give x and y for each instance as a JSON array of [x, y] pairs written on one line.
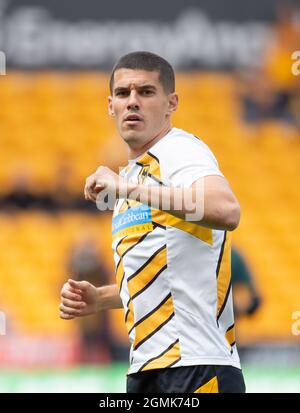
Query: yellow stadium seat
[[50, 118]]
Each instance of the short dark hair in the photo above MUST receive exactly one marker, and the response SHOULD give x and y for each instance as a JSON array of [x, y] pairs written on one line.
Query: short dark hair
[[146, 61]]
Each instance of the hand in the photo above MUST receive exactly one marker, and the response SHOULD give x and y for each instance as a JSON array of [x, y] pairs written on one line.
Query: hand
[[104, 179], [78, 298]]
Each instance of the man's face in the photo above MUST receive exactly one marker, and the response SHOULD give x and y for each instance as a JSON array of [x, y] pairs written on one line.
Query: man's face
[[141, 106]]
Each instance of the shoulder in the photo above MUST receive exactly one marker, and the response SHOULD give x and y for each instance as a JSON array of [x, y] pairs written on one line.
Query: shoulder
[[179, 144], [183, 157]]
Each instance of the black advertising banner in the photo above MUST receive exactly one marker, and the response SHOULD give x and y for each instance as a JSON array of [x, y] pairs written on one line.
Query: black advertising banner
[[93, 34]]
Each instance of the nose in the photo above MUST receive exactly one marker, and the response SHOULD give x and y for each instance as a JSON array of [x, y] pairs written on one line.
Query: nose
[[133, 102]]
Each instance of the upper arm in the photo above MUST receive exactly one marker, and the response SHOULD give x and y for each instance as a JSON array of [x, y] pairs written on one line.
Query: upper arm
[[220, 205], [215, 185]]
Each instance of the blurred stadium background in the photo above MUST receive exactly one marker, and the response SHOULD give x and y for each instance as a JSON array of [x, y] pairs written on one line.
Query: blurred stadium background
[[237, 92]]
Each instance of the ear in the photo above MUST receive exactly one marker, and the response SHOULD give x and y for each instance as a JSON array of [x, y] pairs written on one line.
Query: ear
[[110, 107], [173, 103]]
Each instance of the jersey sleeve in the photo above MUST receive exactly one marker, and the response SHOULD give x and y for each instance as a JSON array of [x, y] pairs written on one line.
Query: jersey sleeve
[[186, 160]]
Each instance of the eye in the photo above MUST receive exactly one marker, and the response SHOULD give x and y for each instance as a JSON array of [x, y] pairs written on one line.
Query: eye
[[147, 92], [122, 93]]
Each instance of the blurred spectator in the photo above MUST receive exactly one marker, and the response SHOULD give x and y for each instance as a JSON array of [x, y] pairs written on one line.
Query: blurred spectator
[[246, 297], [98, 343], [261, 101], [24, 196], [63, 196], [21, 195], [271, 91], [285, 40]]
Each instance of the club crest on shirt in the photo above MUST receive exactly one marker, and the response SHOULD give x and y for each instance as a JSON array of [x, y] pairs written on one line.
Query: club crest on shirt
[[143, 174]]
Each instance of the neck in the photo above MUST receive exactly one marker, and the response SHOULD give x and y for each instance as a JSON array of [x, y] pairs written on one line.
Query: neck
[[136, 152]]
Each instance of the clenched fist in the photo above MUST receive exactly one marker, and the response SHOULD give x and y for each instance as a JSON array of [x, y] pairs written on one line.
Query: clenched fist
[[104, 179], [78, 298]]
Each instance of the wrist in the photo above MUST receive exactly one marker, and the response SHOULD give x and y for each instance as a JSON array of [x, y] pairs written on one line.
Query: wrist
[[108, 297], [102, 298], [125, 188]]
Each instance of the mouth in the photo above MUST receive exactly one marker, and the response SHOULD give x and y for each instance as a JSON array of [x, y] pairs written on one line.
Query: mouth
[[133, 119]]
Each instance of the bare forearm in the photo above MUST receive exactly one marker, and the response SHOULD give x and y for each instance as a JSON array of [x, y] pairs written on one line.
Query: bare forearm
[[208, 207], [176, 201], [109, 297], [208, 202]]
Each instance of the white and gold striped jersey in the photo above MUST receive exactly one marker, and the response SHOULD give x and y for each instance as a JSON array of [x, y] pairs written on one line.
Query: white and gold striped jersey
[[174, 276]]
